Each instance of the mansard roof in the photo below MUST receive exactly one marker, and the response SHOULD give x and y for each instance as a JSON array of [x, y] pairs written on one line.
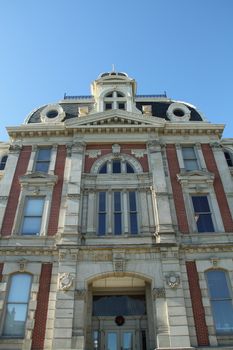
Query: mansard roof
[[71, 105]]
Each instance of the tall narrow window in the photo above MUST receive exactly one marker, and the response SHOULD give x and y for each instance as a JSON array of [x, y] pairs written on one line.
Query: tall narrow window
[[221, 301], [117, 214], [43, 160], [228, 158], [32, 216], [202, 214], [3, 162], [102, 214], [190, 158], [133, 213], [17, 305]]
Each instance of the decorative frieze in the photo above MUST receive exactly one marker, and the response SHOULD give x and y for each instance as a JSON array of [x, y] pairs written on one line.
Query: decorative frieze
[[159, 293]]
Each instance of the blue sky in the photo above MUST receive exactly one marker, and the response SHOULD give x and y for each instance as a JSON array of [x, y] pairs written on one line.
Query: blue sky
[[49, 47]]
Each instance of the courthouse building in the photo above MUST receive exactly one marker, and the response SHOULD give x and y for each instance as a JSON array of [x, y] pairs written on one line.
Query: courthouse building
[[116, 225]]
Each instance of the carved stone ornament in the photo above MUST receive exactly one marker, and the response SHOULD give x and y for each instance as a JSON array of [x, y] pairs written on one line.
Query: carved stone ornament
[[22, 265], [173, 280], [94, 153], [65, 281], [116, 149], [138, 153], [81, 294], [159, 293]]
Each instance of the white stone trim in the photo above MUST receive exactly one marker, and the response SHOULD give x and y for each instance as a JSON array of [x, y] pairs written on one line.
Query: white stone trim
[[178, 106]]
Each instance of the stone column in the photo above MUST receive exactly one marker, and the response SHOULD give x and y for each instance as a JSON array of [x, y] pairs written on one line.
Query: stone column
[[164, 225], [162, 324], [72, 215], [65, 298], [91, 215]]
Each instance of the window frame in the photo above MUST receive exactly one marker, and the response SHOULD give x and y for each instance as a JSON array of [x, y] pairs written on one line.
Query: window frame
[[42, 161], [3, 162], [26, 200], [115, 99], [210, 213], [7, 302], [189, 159], [220, 299]]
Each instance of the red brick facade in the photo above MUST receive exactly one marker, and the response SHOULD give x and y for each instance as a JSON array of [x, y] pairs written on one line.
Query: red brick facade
[[107, 149], [197, 305], [12, 203], [218, 187], [38, 335], [174, 169], [57, 191]]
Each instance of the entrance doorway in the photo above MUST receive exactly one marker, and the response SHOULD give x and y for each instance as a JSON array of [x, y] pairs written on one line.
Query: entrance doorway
[[120, 340]]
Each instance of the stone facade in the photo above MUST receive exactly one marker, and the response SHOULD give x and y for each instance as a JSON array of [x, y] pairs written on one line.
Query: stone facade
[[117, 209]]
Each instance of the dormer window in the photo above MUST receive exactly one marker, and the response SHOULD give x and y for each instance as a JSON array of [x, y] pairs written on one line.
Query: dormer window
[[115, 100]]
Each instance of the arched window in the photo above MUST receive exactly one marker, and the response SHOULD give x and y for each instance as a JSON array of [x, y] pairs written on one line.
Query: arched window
[[3, 162], [221, 300], [17, 305], [115, 100], [116, 166]]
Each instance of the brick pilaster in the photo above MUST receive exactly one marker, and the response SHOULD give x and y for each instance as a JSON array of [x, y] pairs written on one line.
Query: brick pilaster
[[174, 169], [218, 187], [38, 335], [57, 191], [12, 203], [197, 305]]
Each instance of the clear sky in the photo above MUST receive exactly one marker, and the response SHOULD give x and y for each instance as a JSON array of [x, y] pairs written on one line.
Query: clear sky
[[49, 47]]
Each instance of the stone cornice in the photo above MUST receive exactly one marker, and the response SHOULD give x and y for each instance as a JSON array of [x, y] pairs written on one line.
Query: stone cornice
[[137, 126]]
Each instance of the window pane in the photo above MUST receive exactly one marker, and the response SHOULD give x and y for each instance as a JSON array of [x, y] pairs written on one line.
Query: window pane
[[132, 201], [200, 204], [103, 169], [20, 287], [108, 106], [188, 153], [116, 166], [44, 154], [102, 224], [34, 207], [117, 224], [129, 168], [223, 315], [31, 225], [117, 201], [121, 105], [204, 223], [217, 284], [102, 201], [42, 166], [15, 320], [133, 223], [113, 305], [190, 165]]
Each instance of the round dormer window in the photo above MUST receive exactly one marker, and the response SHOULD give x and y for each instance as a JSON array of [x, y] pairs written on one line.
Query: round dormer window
[[178, 112], [53, 113]]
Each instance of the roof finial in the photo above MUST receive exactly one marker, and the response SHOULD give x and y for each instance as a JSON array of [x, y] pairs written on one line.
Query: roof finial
[[113, 67]]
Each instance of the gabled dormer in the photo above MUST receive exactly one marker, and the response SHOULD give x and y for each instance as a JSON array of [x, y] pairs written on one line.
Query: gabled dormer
[[114, 91]]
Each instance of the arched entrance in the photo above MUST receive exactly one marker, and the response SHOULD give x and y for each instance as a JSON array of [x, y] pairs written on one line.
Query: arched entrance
[[119, 313]]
